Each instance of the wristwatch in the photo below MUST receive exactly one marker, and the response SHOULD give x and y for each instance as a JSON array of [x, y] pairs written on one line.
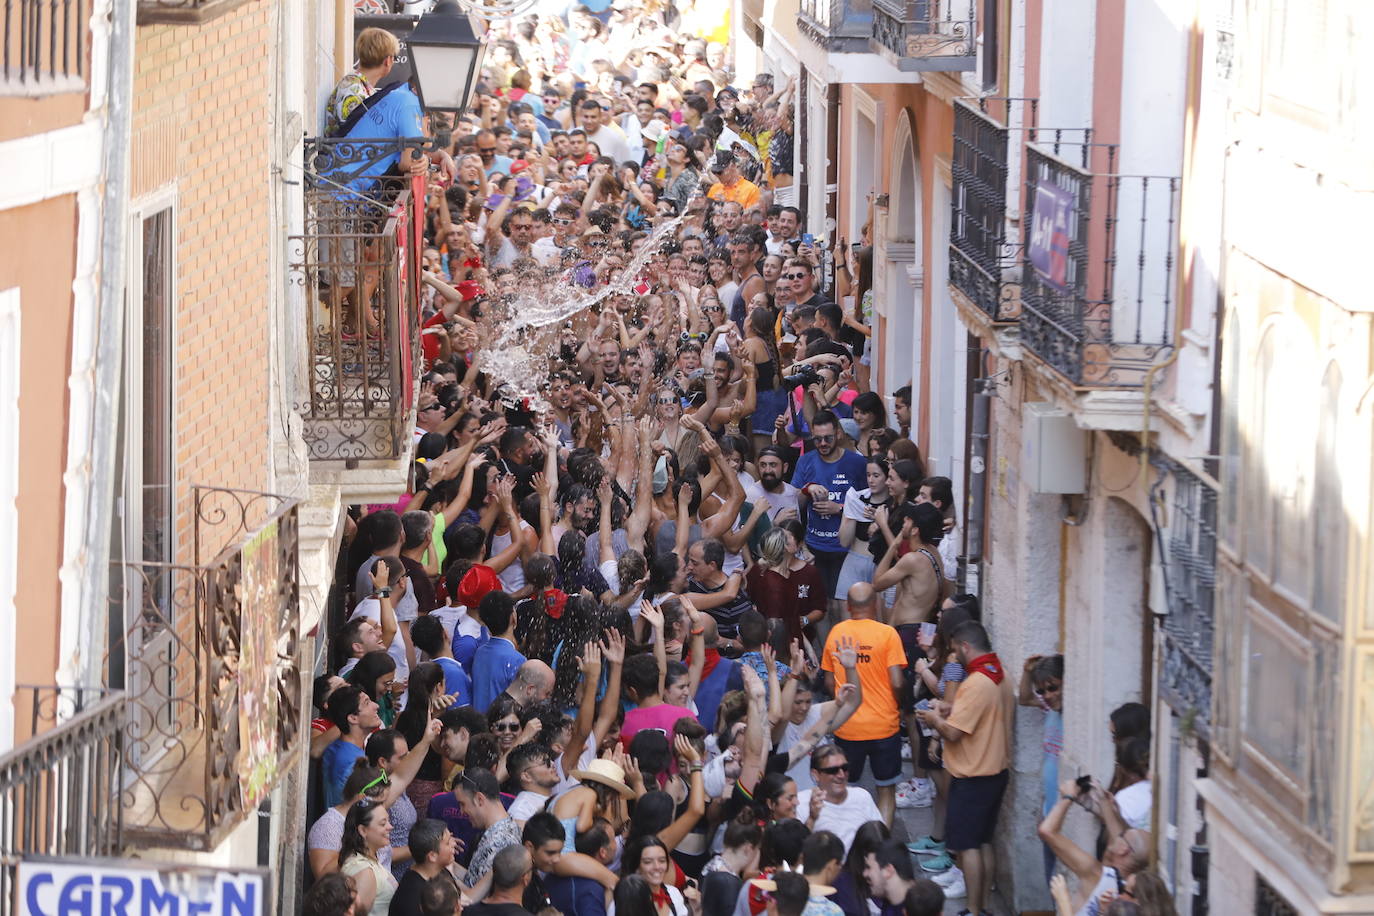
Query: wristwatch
[[383, 592]]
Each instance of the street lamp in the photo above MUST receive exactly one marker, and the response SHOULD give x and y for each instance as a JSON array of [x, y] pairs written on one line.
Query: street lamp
[[446, 53]]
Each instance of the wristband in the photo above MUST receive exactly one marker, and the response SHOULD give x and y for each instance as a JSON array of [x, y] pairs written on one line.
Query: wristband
[[698, 631], [383, 592]]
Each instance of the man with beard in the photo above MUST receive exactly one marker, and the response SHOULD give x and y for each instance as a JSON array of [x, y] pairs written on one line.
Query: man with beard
[[579, 508], [518, 449], [782, 496]]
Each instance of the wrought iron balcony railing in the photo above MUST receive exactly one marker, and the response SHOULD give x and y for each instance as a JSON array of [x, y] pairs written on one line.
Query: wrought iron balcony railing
[[1190, 584], [60, 790], [210, 658], [985, 250], [45, 47], [184, 12], [358, 262], [922, 35], [1097, 283], [838, 25]]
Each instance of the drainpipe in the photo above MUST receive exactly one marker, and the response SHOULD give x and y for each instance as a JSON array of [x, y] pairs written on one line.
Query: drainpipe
[[976, 511], [94, 570]]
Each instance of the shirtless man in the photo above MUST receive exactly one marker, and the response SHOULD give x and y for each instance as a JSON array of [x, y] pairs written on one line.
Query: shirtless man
[[921, 584]]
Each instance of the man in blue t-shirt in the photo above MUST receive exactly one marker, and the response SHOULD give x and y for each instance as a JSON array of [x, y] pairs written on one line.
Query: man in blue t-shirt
[[822, 478], [496, 661], [356, 715]]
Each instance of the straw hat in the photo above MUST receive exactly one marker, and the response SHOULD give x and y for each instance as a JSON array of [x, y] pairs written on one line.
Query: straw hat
[[606, 772]]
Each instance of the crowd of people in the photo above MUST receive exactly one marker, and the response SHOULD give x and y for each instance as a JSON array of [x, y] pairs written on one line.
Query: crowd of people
[[642, 624]]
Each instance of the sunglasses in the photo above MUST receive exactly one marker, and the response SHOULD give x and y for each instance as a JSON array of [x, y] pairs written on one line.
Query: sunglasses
[[506, 727], [794, 276], [665, 400], [713, 308], [434, 406], [830, 438], [559, 221], [383, 780], [832, 771]]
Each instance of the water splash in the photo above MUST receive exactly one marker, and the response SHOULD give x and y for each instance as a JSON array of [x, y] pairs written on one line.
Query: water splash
[[527, 329]]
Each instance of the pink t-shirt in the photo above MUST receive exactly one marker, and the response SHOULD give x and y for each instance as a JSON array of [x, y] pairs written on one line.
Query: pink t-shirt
[[660, 718]]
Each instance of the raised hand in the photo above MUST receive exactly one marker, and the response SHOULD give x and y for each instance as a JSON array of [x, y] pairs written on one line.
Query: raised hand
[[686, 750], [380, 574], [591, 659], [613, 647], [651, 614], [846, 652]]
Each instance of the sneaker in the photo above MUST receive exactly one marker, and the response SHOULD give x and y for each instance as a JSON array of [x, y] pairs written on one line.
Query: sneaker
[[952, 882], [926, 846], [924, 787], [938, 863], [907, 800]]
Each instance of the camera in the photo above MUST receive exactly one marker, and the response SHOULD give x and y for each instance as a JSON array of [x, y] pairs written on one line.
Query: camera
[[805, 375]]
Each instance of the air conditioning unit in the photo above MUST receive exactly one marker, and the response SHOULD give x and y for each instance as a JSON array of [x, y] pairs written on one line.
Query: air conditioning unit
[[1055, 450]]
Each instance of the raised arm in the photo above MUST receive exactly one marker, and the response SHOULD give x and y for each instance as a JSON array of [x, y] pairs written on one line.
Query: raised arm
[[654, 617], [586, 706], [677, 831], [638, 522], [613, 651]]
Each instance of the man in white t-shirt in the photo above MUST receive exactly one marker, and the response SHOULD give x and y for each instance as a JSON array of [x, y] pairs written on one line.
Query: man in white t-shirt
[[371, 608], [772, 482], [834, 804], [531, 766]]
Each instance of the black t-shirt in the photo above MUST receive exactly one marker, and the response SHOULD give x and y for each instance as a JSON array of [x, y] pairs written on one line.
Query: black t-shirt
[[406, 900], [496, 909]]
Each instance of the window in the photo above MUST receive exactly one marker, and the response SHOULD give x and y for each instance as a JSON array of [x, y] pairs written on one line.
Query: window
[[143, 530], [1276, 694], [9, 491], [1329, 513], [1232, 356]]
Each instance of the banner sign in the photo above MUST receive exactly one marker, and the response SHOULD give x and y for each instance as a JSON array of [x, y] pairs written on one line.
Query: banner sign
[[135, 888], [1049, 236]]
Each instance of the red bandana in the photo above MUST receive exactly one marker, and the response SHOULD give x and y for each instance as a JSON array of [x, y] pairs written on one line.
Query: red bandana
[[988, 664], [661, 898]]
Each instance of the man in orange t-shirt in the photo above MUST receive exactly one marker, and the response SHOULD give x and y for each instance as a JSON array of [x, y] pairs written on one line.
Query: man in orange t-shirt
[[732, 185], [874, 732]]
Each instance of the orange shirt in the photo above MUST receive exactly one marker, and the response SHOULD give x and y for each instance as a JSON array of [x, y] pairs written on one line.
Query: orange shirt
[[743, 192], [982, 711], [879, 648]]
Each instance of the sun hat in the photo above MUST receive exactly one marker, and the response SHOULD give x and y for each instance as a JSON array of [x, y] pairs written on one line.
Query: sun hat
[[606, 772], [817, 890]]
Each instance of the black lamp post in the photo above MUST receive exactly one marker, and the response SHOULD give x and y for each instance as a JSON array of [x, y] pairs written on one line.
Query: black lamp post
[[446, 52]]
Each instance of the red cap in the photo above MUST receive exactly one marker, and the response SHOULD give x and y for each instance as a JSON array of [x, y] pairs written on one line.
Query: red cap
[[469, 289], [477, 582], [518, 166]]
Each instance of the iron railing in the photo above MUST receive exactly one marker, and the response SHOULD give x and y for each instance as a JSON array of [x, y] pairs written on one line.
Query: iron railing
[[184, 12], [358, 262], [210, 659], [1097, 285], [837, 25], [990, 137], [45, 47], [60, 790], [923, 35], [1190, 583]]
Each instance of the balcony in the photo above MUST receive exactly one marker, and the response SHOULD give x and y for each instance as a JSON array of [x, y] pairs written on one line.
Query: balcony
[[44, 47], [983, 266], [1098, 268], [184, 12], [838, 25], [210, 659], [925, 35], [59, 791], [361, 247]]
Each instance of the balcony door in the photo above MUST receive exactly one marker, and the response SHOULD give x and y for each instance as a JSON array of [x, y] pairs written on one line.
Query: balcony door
[[145, 647]]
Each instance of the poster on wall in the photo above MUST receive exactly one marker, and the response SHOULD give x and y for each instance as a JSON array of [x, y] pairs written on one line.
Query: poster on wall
[[1049, 237], [260, 615]]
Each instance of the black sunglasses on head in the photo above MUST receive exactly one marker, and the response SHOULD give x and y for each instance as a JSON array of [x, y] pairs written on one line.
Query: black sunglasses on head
[[832, 771]]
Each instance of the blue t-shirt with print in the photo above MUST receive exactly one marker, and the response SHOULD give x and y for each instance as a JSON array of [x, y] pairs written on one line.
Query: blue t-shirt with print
[[396, 115], [336, 764], [848, 470]]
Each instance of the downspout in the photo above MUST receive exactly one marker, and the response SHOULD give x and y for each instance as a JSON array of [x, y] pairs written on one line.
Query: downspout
[[976, 512], [85, 667]]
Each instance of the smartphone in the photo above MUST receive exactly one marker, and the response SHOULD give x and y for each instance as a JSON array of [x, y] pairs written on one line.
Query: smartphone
[[855, 248], [928, 631], [807, 238], [1085, 783]]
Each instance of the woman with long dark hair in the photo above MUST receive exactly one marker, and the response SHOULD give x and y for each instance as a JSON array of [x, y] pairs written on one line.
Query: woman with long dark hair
[[761, 348], [648, 858], [375, 673], [425, 687], [851, 889], [367, 829], [870, 415]]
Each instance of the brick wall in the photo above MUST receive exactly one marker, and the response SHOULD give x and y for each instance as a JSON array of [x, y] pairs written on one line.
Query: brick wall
[[202, 125]]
